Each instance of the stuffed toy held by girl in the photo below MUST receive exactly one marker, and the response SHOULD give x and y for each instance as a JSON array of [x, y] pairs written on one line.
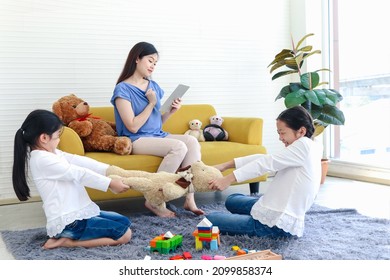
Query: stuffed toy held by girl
[[214, 131], [159, 188]]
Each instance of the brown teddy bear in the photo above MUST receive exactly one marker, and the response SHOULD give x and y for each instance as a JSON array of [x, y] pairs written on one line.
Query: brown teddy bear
[[95, 133], [159, 188]]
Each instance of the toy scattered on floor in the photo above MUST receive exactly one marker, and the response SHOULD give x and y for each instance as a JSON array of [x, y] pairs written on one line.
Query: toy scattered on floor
[[219, 257], [214, 131], [240, 251], [235, 248], [216, 257], [206, 233], [166, 243], [184, 256], [195, 130]]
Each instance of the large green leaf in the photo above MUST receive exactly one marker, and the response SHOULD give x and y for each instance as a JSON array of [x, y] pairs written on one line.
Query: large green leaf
[[322, 97], [283, 92], [310, 80], [332, 92], [312, 97], [333, 96], [331, 115], [315, 111], [295, 98], [295, 86]]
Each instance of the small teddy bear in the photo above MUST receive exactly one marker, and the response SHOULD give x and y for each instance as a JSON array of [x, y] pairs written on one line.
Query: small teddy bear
[[214, 131], [196, 130], [95, 133]]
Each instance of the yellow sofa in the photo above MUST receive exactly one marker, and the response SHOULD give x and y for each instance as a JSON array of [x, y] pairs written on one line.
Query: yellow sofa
[[245, 138]]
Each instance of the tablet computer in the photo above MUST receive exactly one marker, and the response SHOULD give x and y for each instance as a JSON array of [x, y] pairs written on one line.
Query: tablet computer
[[177, 93]]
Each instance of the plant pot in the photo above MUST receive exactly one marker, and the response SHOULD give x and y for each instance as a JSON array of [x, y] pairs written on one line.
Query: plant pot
[[324, 169]]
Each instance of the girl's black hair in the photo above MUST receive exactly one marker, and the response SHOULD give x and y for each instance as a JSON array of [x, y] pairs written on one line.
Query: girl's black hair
[[139, 50], [296, 117], [26, 138]]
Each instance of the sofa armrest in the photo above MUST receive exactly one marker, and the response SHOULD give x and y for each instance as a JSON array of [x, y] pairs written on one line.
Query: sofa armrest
[[244, 130], [70, 142]]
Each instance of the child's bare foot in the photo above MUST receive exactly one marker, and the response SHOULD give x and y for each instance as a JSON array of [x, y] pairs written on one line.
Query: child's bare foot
[[55, 243], [164, 213], [190, 205]]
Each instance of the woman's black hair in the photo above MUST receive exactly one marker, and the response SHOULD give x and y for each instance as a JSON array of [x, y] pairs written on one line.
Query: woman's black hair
[[26, 138], [139, 50], [296, 117]]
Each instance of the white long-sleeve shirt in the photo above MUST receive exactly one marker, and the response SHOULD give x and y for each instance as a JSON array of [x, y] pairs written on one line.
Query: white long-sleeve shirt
[[293, 189], [61, 179]]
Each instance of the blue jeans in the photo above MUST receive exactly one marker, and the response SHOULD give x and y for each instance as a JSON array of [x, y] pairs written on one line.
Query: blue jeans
[[239, 221], [106, 224]]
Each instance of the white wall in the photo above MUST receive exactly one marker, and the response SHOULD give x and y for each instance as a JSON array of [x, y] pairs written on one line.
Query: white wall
[[220, 48]]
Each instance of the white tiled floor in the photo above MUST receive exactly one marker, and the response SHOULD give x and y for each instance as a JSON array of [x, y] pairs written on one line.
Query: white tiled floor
[[369, 199]]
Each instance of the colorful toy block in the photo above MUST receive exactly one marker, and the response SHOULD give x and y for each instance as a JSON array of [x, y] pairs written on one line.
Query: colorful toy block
[[206, 257], [177, 257], [187, 255], [166, 243], [218, 257], [206, 233], [184, 256]]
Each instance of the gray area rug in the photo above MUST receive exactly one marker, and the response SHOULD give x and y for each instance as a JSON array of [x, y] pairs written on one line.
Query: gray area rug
[[339, 234]]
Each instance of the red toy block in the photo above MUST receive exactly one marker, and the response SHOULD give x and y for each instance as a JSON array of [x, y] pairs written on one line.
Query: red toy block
[[177, 257], [187, 255]]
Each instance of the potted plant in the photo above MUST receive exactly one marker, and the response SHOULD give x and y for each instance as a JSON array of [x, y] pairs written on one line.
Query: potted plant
[[309, 91]]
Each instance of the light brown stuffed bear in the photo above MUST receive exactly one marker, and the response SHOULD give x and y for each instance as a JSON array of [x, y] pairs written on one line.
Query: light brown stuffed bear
[[159, 188], [96, 134], [195, 130]]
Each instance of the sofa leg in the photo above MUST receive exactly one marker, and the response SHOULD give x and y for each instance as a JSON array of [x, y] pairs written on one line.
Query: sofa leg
[[254, 188]]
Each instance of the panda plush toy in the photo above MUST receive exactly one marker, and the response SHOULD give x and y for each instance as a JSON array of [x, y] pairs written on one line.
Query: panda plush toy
[[214, 131]]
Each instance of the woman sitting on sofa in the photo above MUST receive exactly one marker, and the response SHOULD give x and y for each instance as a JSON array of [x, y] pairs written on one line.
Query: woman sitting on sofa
[[136, 101]]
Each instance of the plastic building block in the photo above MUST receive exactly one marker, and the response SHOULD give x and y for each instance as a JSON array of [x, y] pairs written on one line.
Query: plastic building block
[[165, 245], [206, 257], [187, 255], [213, 245], [177, 257]]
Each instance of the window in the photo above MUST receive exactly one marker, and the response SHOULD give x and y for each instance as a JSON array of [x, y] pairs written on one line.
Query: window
[[363, 78]]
